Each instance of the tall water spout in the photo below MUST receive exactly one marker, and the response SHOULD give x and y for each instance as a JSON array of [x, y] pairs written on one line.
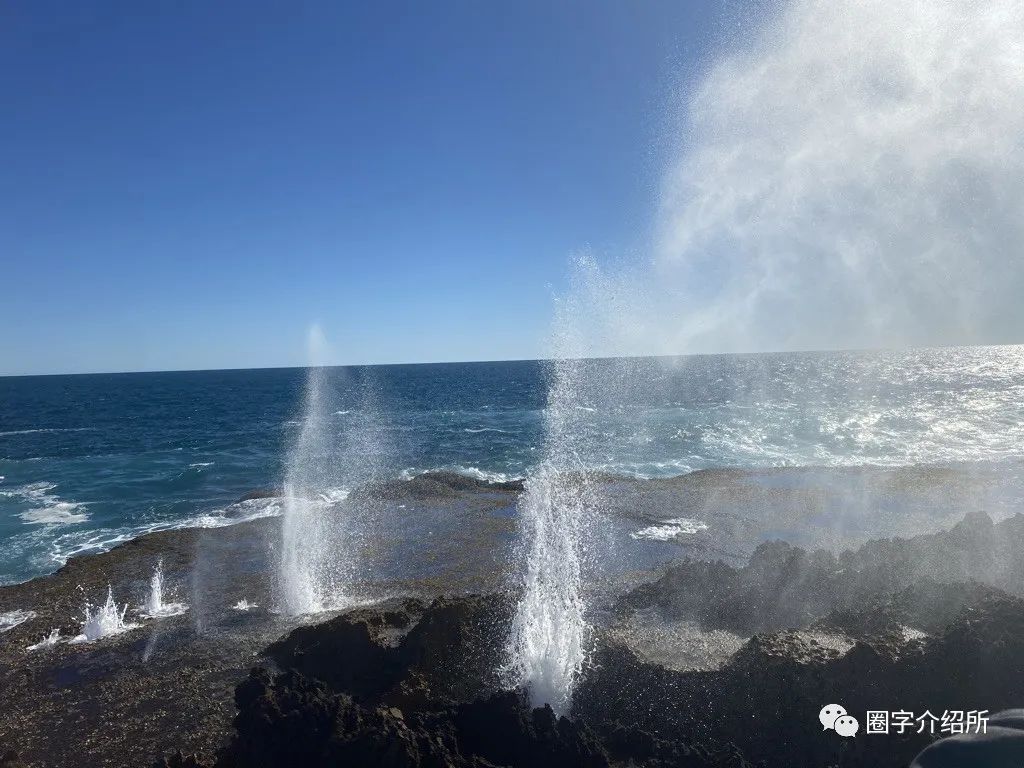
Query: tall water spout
[[307, 583], [550, 632], [322, 530]]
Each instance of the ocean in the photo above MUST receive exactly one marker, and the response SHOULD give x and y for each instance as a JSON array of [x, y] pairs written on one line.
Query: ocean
[[88, 461]]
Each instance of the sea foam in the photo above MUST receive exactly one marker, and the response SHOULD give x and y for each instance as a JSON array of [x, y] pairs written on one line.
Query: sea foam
[[47, 508], [12, 619], [476, 473], [71, 545], [670, 529]]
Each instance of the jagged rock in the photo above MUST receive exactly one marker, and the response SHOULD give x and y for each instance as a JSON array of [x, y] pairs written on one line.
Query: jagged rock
[[412, 684], [766, 699], [458, 644], [355, 652], [447, 651], [292, 720], [637, 747], [765, 652], [407, 686], [784, 587], [505, 731]]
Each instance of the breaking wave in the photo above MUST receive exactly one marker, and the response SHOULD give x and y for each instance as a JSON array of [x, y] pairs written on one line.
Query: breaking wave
[[64, 547]]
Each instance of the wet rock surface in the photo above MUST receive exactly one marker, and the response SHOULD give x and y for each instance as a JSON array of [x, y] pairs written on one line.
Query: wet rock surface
[[931, 623], [761, 708], [405, 652], [916, 625], [783, 586], [162, 684], [436, 702], [766, 699], [293, 720], [168, 684]]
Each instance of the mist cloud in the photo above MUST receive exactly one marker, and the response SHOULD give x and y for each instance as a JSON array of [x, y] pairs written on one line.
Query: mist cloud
[[852, 175]]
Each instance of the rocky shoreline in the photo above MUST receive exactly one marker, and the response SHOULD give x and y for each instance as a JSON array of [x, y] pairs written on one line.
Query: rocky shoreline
[[701, 663]]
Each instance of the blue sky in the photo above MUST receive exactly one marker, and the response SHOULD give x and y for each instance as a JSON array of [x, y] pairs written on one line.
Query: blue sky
[[190, 185]]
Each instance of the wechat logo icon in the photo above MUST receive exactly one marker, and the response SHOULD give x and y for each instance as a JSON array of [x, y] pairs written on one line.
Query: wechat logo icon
[[834, 716]]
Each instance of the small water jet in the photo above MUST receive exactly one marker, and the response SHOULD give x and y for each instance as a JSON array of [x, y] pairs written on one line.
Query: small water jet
[[156, 607], [244, 605], [103, 621], [49, 641]]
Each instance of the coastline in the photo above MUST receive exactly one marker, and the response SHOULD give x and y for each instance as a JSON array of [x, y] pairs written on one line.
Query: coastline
[[169, 684], [834, 502]]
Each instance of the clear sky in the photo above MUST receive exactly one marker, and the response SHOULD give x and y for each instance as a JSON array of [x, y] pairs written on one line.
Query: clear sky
[[191, 185]]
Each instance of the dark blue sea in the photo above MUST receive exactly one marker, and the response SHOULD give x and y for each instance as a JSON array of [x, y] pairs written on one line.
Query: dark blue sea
[[87, 461]]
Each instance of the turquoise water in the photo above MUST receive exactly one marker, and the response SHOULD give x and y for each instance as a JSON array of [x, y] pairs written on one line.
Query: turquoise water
[[87, 461]]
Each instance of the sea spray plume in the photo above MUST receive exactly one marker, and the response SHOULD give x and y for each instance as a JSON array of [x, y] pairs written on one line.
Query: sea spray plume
[[848, 174], [104, 620], [156, 606], [155, 601], [323, 530], [306, 575], [48, 641], [550, 633]]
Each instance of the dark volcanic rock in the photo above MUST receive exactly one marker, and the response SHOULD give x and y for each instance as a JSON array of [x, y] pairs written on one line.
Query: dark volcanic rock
[[412, 682], [783, 586], [438, 484], [292, 720], [169, 684], [355, 652], [164, 686], [261, 493], [640, 748], [457, 646], [405, 684], [434, 676], [447, 651], [766, 699]]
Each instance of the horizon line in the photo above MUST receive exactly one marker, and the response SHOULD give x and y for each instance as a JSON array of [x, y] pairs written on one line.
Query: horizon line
[[509, 360]]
